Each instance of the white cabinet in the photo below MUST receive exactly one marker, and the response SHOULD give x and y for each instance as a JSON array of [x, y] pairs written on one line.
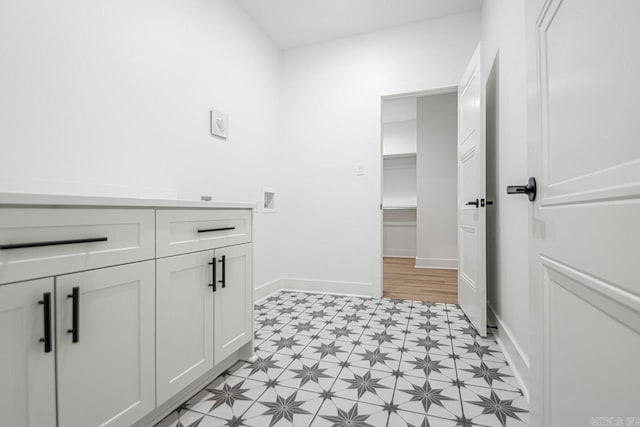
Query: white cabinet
[[184, 315], [104, 360], [182, 231], [133, 326], [233, 307], [27, 372], [203, 313], [106, 377], [50, 241]]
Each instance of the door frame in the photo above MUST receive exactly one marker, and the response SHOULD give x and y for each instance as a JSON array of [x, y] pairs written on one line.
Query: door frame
[[418, 94]]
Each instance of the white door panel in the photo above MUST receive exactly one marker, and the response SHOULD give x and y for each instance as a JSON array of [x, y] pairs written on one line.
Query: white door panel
[[107, 377], [472, 282], [582, 56], [27, 373], [233, 300], [584, 231], [184, 321]]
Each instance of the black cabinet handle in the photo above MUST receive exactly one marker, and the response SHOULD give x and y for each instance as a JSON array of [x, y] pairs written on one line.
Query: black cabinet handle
[[223, 282], [213, 275], [207, 230], [476, 203], [46, 306], [531, 189], [484, 202], [52, 243], [75, 316]]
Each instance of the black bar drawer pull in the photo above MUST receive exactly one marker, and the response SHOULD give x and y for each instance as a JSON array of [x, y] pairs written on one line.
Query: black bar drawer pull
[[206, 230], [223, 282], [75, 317], [46, 305], [213, 276], [52, 243]]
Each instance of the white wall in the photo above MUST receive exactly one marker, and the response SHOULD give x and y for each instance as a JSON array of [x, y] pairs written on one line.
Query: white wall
[[332, 102], [503, 37], [112, 98], [437, 181]]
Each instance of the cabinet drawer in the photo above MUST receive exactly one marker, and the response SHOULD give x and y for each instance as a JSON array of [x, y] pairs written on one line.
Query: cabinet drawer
[[183, 231], [39, 242]]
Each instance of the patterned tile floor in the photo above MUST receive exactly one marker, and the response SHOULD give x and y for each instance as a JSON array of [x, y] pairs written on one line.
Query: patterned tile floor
[[329, 360]]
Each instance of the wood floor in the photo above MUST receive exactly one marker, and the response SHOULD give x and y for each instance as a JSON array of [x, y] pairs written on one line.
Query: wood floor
[[403, 280]]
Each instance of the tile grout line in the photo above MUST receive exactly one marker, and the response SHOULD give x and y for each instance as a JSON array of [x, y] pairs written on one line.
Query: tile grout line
[[455, 363], [333, 320], [342, 367], [402, 355], [285, 368], [305, 347]]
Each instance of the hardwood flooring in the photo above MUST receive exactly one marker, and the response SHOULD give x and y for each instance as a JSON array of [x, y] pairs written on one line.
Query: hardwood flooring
[[403, 280]]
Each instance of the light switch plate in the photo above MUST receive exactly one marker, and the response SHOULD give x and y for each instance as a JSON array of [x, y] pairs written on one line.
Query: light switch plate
[[219, 124]]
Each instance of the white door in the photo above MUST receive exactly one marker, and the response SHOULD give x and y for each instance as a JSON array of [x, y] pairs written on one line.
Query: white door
[[585, 223], [184, 315], [27, 368], [106, 364], [472, 281], [233, 300]]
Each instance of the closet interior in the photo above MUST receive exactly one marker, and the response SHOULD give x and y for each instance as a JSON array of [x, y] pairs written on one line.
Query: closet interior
[[419, 137]]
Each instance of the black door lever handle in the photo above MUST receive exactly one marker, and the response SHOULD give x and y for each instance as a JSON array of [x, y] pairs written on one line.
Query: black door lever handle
[[530, 189], [476, 203]]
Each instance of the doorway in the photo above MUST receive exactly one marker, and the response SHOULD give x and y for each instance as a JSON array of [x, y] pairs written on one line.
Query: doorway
[[419, 196]]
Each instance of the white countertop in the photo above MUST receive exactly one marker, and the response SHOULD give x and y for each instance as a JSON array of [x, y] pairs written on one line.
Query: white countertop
[[62, 200]]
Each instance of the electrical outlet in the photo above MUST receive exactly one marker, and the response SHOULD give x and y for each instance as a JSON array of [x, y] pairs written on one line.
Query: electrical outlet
[[360, 169]]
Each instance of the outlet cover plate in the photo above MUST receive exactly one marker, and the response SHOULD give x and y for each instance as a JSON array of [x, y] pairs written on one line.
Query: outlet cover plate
[[219, 124]]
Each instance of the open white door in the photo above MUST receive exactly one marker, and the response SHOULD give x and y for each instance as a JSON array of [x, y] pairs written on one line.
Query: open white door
[[472, 280], [584, 233]]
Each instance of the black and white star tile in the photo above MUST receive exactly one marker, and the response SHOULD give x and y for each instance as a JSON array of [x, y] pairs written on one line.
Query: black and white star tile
[[340, 361]]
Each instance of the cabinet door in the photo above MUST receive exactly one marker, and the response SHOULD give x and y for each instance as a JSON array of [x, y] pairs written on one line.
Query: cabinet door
[[27, 372], [184, 313], [233, 300], [107, 377]]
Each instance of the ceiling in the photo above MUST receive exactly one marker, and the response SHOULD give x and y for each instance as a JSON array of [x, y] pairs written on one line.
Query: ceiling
[[294, 23]]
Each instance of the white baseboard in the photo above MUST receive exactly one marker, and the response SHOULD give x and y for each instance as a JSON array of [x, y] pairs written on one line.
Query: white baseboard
[[265, 290], [333, 287], [442, 263], [399, 253], [315, 286], [398, 256], [513, 352]]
